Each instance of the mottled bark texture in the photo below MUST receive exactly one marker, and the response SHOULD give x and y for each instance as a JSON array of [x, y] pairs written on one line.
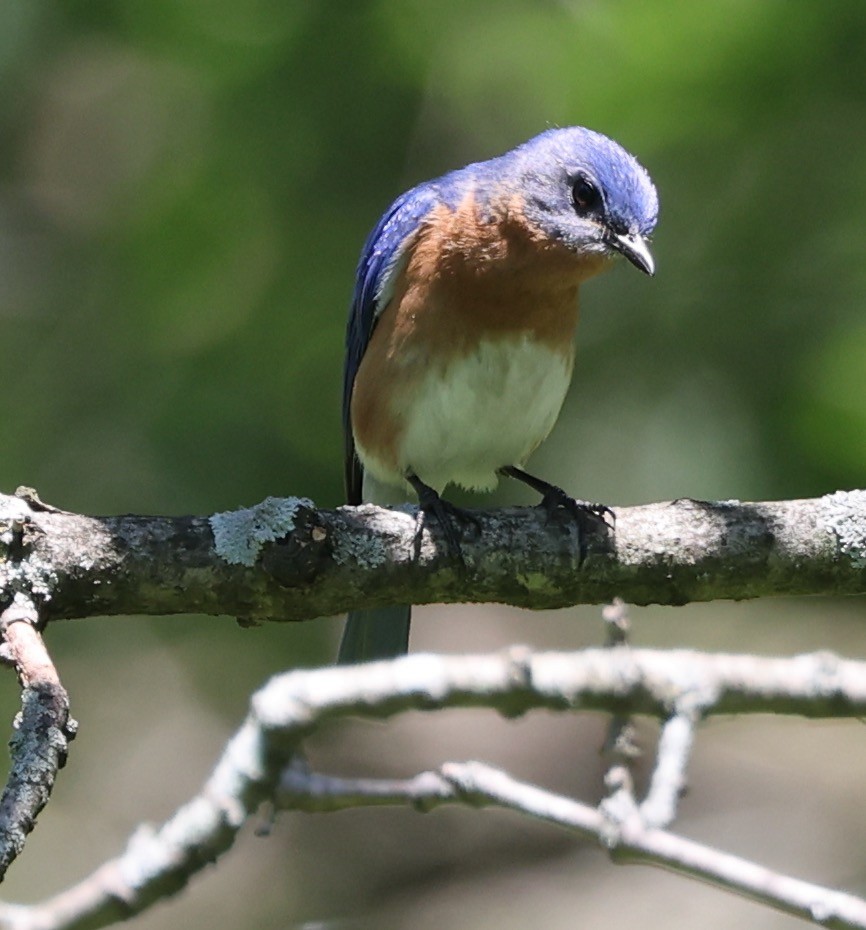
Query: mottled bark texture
[[284, 559]]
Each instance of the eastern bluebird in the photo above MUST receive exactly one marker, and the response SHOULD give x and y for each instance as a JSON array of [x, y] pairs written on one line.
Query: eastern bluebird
[[460, 342]]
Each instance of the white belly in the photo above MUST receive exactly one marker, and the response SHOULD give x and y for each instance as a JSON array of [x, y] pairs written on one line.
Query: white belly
[[486, 411]]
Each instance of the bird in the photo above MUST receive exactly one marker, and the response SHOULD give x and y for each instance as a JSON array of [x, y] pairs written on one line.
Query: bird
[[460, 338]]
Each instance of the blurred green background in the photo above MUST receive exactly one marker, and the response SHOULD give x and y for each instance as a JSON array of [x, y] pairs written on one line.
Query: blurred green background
[[184, 190]]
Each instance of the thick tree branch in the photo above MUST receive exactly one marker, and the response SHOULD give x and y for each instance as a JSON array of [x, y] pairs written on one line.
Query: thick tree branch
[[263, 761], [286, 560]]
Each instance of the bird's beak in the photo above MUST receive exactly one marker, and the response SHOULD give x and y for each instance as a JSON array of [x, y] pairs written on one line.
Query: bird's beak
[[635, 249]]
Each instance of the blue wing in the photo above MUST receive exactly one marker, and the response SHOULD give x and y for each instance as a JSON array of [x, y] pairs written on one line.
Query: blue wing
[[380, 260]]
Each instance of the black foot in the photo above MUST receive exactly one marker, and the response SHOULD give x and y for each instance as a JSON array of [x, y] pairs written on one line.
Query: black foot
[[448, 515], [557, 504]]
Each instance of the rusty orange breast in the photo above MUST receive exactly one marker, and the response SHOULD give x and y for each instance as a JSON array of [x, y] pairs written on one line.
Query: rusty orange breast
[[465, 279]]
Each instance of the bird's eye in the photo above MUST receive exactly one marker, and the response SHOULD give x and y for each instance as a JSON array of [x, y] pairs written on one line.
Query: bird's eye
[[586, 196]]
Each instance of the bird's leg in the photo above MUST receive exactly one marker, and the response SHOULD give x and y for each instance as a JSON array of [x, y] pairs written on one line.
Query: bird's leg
[[447, 514], [555, 501]]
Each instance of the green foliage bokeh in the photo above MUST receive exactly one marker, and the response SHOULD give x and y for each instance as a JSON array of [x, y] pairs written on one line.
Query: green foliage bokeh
[[185, 188]]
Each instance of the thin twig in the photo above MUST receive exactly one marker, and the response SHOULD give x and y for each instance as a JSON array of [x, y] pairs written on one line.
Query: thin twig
[[638, 843], [668, 781], [620, 745], [42, 729], [262, 762]]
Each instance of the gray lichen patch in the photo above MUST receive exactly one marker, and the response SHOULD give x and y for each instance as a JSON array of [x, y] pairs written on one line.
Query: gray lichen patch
[[240, 534], [375, 545], [844, 514], [364, 551], [33, 576], [14, 512]]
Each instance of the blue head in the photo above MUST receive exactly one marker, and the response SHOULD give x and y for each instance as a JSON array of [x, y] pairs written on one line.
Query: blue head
[[585, 191]]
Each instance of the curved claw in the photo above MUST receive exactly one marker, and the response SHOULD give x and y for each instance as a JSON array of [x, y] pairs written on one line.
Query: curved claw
[[448, 515], [555, 501]]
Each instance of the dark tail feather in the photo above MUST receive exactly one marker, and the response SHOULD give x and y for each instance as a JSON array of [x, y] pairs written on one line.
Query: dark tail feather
[[375, 634]]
